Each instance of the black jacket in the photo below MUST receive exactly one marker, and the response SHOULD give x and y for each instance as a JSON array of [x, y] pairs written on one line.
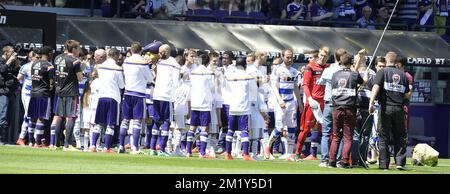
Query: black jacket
[[8, 80]]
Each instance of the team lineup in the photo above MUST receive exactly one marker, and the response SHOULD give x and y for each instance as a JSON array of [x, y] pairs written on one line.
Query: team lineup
[[237, 106]]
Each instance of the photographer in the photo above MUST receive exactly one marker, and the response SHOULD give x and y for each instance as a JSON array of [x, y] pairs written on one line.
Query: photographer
[[8, 84]]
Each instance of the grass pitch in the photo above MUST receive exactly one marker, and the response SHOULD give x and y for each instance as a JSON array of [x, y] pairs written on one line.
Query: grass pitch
[[20, 160]]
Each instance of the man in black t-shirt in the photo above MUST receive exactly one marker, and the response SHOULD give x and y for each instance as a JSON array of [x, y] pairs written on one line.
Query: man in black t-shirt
[[42, 73], [344, 85], [57, 58], [68, 73], [53, 108], [392, 85], [364, 122]]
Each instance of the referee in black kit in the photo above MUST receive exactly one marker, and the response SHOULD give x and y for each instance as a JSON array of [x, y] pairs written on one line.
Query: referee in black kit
[[392, 85]]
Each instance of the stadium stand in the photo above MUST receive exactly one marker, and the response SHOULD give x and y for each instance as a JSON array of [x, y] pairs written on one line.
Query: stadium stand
[[243, 12]]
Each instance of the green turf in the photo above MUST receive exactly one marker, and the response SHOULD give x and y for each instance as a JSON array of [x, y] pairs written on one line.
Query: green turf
[[15, 159]]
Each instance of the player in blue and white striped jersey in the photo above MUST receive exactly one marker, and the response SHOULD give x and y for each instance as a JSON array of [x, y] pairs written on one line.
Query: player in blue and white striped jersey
[[285, 87], [81, 88], [25, 76]]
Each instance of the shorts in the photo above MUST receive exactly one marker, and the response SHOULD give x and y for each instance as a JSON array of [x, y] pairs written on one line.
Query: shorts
[[224, 113], [161, 111], [87, 118], [238, 122], [286, 117], [107, 113], [200, 118], [150, 110], [179, 122], [39, 108], [133, 107], [67, 106]]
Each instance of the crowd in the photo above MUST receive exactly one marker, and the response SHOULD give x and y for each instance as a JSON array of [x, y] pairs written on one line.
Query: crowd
[[238, 106], [52, 3], [363, 12], [409, 15]]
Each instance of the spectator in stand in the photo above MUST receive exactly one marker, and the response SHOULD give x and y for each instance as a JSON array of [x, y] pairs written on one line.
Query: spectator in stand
[[407, 12], [443, 8], [128, 8], [252, 5], [374, 4], [231, 5], [365, 21], [343, 11], [343, 8], [382, 18], [174, 7], [427, 9], [319, 11], [155, 8], [139, 10], [199, 4], [224, 5], [234, 5], [114, 9], [389, 4], [43, 3], [274, 8], [298, 9], [359, 5]]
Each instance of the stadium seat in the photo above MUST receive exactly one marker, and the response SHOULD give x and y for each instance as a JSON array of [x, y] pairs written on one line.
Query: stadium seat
[[202, 12], [259, 18], [238, 17], [106, 10], [220, 14], [201, 18], [257, 15], [201, 15], [189, 12], [238, 14]]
